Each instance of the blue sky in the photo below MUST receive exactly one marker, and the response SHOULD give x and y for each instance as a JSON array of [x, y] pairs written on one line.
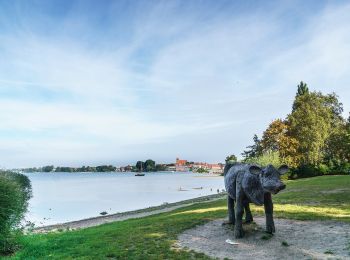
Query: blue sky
[[93, 82]]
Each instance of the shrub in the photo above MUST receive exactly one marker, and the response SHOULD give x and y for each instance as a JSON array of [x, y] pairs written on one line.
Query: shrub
[[202, 170], [323, 169], [15, 192], [269, 157], [305, 171], [340, 168]]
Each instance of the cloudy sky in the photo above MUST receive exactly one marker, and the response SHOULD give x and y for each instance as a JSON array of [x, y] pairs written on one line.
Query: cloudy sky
[[94, 82]]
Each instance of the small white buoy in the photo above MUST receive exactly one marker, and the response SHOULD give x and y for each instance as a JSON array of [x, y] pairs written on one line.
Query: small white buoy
[[229, 241]]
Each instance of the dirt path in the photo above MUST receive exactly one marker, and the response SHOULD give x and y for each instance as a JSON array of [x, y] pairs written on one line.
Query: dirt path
[[293, 240], [90, 222]]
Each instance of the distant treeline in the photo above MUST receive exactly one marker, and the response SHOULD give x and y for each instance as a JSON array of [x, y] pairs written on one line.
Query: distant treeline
[[51, 168], [146, 166], [149, 166]]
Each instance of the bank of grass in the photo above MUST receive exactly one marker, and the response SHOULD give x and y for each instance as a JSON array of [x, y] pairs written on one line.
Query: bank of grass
[[153, 237]]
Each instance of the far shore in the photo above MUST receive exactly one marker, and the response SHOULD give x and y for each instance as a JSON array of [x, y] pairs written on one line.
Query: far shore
[[95, 221]]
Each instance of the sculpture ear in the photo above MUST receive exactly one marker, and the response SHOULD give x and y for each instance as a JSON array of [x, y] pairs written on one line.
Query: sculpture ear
[[283, 169], [255, 169]]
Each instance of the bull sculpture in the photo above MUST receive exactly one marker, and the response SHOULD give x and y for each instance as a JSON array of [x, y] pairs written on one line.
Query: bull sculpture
[[246, 183]]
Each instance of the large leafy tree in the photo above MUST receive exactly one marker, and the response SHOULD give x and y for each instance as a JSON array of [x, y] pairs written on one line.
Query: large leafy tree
[[150, 165], [312, 122], [313, 138]]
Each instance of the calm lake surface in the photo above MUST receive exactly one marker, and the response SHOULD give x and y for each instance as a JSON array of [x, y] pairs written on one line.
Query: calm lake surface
[[62, 197]]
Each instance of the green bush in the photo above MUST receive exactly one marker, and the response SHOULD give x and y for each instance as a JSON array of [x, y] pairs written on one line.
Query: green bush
[[269, 157], [305, 171], [15, 192], [340, 168], [202, 170], [323, 169]]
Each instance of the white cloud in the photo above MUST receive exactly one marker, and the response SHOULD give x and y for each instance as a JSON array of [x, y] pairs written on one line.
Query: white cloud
[[202, 90]]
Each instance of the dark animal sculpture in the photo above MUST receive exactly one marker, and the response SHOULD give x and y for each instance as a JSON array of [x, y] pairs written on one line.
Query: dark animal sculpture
[[246, 183]]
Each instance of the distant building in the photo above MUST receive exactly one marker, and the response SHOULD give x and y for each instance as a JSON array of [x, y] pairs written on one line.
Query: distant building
[[181, 165], [210, 167], [171, 168], [126, 168], [185, 166], [217, 168]]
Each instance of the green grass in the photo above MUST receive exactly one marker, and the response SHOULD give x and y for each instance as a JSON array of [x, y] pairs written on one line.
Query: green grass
[[153, 237]]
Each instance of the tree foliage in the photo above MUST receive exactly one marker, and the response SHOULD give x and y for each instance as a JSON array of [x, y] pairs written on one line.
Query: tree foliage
[[311, 124], [273, 135], [48, 168], [140, 166], [254, 150], [276, 138], [266, 158], [231, 158], [302, 89], [150, 165], [15, 192], [314, 138]]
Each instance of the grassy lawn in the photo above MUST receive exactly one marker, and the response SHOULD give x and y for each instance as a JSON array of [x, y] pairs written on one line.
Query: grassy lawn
[[318, 198]]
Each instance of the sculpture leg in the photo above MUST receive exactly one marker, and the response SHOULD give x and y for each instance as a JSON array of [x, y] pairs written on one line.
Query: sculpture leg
[[239, 215], [248, 214], [231, 211], [268, 205]]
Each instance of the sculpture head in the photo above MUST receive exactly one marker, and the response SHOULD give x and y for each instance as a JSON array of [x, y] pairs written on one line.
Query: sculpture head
[[270, 177]]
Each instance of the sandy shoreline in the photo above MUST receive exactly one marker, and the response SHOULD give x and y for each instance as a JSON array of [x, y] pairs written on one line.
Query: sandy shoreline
[[95, 221]]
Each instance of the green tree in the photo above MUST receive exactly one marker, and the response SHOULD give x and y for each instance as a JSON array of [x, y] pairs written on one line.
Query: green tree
[[105, 168], [254, 150], [161, 167], [273, 135], [338, 145], [150, 165], [311, 123], [140, 166], [15, 192], [302, 89], [276, 139], [313, 139], [48, 168], [231, 158]]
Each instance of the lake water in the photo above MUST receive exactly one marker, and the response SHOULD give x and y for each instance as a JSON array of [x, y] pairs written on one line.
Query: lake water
[[62, 197]]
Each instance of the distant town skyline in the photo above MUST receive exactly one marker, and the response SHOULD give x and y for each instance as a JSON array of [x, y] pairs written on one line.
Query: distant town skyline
[[112, 82]]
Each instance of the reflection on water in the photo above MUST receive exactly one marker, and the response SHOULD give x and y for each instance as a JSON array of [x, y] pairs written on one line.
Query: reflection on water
[[62, 197]]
